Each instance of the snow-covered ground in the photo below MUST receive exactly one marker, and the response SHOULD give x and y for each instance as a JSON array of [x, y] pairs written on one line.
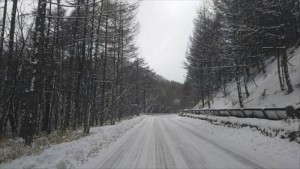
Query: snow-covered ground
[[267, 93], [272, 128], [74, 153], [278, 153], [166, 141], [172, 141]]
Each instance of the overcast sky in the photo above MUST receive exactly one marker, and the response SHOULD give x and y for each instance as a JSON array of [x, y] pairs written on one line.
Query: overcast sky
[[165, 28]]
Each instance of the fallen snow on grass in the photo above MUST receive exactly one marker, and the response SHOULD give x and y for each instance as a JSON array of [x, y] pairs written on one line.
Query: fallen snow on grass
[[249, 140], [13, 148], [71, 154]]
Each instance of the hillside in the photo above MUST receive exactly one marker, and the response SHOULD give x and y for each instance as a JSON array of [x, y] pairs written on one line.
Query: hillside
[[266, 92]]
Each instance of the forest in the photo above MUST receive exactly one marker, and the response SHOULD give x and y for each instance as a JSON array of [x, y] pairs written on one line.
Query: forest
[[93, 84], [68, 65], [231, 41], [71, 65]]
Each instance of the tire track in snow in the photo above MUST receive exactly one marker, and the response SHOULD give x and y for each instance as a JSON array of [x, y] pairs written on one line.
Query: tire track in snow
[[192, 157], [121, 152], [163, 142], [247, 161], [163, 155]]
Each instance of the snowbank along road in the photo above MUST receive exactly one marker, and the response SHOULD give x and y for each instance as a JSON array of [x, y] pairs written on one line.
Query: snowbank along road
[[167, 142]]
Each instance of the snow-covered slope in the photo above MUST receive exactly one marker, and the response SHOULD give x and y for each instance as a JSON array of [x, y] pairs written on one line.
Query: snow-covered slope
[[267, 93]]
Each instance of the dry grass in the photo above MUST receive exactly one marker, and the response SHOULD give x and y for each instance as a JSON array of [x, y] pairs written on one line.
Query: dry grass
[[12, 148]]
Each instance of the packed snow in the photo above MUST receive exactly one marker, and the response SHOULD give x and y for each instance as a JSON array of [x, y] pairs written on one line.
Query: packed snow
[[166, 141], [171, 141], [279, 153]]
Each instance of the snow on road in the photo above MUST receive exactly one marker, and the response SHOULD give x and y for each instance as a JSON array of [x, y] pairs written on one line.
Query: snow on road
[[166, 141], [169, 141]]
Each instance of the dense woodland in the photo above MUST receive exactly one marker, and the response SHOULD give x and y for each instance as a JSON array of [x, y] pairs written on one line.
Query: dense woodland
[[67, 65], [231, 41], [74, 65]]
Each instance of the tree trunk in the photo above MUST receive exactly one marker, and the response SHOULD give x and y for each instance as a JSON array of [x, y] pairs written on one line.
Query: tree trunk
[[32, 103], [286, 73], [77, 86], [2, 32], [237, 79], [279, 70], [9, 70], [104, 70], [246, 77]]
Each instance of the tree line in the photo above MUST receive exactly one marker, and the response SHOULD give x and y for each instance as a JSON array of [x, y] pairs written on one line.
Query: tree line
[[74, 64], [232, 39]]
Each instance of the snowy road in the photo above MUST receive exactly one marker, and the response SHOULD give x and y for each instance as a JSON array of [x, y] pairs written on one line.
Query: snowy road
[[165, 142]]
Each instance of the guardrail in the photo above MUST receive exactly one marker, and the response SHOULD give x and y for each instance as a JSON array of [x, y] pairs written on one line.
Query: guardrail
[[262, 113]]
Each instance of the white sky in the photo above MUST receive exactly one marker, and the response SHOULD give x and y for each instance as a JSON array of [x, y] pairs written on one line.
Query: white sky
[[165, 28]]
